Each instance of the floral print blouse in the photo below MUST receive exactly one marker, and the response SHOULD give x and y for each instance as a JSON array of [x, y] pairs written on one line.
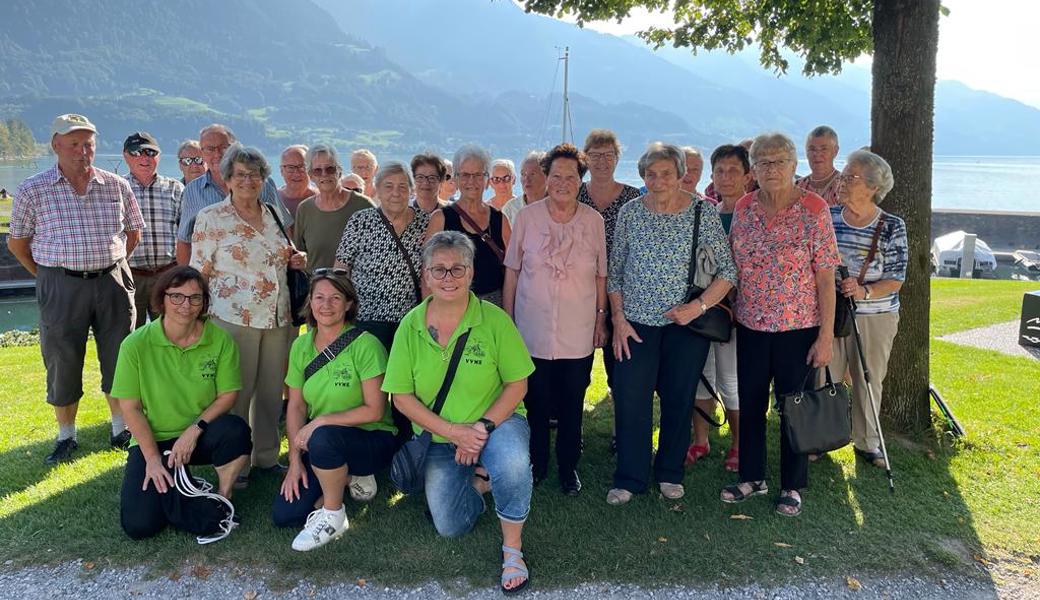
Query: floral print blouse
[[245, 267], [777, 261]]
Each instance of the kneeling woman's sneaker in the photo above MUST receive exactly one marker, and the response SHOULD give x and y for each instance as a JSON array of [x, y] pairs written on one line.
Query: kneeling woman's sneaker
[[322, 527]]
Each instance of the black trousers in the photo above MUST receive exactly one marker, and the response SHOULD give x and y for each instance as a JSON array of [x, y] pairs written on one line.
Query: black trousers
[[669, 361], [385, 331], [557, 388], [144, 513], [765, 357]]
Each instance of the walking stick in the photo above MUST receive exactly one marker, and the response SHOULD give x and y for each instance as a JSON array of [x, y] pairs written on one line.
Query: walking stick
[[843, 272]]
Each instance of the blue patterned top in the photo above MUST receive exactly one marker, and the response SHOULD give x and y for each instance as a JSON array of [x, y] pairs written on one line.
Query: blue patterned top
[[650, 260], [889, 261]]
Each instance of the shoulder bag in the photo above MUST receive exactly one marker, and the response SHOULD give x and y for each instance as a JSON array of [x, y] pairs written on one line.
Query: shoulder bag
[[407, 469], [816, 420], [485, 235], [404, 253], [331, 351], [842, 308], [716, 324], [297, 280]]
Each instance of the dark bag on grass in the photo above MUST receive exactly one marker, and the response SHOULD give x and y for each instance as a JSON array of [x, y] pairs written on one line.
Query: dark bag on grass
[[297, 280], [716, 324], [816, 420], [408, 467]]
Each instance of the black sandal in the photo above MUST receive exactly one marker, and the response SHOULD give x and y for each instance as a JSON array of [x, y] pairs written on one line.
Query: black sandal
[[791, 501], [758, 488]]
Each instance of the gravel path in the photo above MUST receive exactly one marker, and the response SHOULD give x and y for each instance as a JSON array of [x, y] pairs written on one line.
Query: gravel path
[[90, 581], [1002, 337]]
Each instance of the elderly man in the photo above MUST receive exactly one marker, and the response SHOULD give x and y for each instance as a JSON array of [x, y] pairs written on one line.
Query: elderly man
[[211, 188], [160, 200], [72, 227], [821, 147], [190, 161], [363, 163], [694, 169], [298, 186]]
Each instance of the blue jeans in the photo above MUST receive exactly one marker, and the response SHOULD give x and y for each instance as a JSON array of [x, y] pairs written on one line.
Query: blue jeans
[[455, 505]]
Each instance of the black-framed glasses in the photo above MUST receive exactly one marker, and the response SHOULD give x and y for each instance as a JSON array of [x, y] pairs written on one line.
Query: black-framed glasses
[[457, 272], [188, 161], [330, 271], [427, 179], [178, 298], [149, 152], [329, 170]]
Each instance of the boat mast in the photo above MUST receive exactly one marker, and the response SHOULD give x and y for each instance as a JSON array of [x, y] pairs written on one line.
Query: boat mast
[[566, 100]]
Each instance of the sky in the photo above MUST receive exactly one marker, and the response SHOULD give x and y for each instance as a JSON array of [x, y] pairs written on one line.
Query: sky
[[985, 45]]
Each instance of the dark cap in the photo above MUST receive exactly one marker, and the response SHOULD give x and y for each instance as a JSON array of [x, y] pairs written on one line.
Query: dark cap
[[140, 140]]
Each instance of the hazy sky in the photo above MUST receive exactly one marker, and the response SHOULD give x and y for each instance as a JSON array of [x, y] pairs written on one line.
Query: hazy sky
[[985, 45]]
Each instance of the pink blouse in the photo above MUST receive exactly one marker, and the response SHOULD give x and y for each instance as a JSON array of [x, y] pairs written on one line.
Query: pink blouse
[[777, 261], [555, 306]]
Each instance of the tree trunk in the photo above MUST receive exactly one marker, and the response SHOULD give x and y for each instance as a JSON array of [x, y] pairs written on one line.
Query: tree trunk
[[906, 36]]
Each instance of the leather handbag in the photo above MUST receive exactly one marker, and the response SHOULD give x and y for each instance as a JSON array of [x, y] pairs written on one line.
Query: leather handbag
[[842, 307], [816, 420], [716, 324], [297, 280], [408, 467]]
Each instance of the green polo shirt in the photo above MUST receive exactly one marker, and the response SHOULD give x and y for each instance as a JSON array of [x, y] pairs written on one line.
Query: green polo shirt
[[175, 384], [336, 387], [494, 354]]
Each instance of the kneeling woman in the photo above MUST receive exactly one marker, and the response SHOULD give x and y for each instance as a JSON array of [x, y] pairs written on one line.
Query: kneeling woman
[[176, 379], [338, 422], [481, 437]]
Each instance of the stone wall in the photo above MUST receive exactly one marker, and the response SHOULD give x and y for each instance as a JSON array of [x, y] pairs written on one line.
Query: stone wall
[[10, 268], [1002, 230]]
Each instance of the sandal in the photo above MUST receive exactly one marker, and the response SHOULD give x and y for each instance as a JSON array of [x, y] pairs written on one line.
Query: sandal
[[695, 452], [789, 500], [511, 560], [732, 462], [874, 457], [618, 496], [737, 495], [484, 479]]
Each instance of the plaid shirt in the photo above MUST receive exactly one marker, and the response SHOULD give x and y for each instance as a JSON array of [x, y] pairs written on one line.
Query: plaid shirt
[[202, 192], [160, 203], [82, 233]]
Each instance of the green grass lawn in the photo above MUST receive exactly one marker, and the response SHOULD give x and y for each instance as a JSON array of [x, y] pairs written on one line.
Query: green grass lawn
[[955, 500]]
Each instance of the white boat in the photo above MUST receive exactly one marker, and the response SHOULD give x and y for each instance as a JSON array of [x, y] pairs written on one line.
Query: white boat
[[948, 250]]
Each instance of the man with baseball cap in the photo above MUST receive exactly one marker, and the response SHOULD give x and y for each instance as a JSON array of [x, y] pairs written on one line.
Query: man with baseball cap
[[73, 226], [160, 200]]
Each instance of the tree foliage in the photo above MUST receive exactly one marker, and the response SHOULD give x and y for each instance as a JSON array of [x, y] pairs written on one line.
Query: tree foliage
[[16, 140]]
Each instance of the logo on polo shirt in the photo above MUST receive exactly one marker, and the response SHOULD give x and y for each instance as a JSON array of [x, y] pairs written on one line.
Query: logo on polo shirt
[[474, 353], [208, 368], [341, 377]]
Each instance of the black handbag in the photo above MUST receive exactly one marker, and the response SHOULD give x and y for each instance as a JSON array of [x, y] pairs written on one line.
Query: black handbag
[[408, 467], [716, 324], [842, 308], [816, 420], [297, 280]]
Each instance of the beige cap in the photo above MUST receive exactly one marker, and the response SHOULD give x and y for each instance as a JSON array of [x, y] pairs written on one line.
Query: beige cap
[[68, 123]]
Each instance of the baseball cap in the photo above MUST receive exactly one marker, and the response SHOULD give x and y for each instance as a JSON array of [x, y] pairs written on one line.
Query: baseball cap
[[140, 140], [71, 122]]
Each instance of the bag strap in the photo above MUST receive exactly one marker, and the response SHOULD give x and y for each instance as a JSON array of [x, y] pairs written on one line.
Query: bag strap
[[873, 248], [453, 365], [281, 227], [485, 236], [331, 351], [404, 253], [692, 273], [714, 396]]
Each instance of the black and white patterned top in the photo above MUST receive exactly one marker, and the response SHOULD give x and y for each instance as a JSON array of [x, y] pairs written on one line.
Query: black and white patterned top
[[379, 272], [610, 214]]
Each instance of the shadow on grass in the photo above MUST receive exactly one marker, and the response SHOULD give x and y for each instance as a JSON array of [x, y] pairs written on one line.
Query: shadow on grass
[[23, 466]]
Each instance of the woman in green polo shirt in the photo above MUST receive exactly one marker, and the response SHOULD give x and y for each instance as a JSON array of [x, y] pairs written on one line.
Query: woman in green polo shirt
[[338, 423], [481, 437], [176, 379]]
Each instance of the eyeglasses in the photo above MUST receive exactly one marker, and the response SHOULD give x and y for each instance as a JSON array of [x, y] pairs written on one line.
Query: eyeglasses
[[850, 177], [293, 168], [327, 271], [254, 176], [769, 165], [472, 176], [427, 179], [217, 149], [457, 272], [329, 170], [502, 179], [150, 153], [598, 156], [178, 298], [188, 161]]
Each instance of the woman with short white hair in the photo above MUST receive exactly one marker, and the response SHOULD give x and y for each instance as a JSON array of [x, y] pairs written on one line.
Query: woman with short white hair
[[532, 182], [503, 176]]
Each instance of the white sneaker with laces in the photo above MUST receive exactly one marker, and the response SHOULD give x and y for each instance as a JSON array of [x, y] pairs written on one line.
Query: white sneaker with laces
[[363, 488], [322, 527]]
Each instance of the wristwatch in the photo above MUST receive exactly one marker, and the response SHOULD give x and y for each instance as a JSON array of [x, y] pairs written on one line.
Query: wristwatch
[[704, 307], [202, 425], [489, 425]]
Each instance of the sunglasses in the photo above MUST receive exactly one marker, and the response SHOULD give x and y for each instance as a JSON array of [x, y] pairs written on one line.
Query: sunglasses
[[319, 171], [188, 161], [145, 151], [330, 271], [502, 179]]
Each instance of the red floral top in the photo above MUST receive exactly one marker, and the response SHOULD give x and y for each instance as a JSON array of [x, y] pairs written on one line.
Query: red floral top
[[777, 261]]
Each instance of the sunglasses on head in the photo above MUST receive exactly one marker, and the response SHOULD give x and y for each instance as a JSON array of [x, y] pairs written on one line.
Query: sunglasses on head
[[145, 151], [330, 271], [188, 161]]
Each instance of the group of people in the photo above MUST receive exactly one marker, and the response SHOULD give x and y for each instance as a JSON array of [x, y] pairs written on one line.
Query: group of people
[[432, 310]]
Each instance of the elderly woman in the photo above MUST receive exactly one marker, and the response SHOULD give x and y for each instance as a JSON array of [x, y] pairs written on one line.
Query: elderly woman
[[532, 181], [429, 172], [240, 246], [176, 379], [354, 183], [484, 226], [364, 164], [730, 175], [867, 234], [784, 247], [503, 176], [338, 422], [480, 437], [556, 291], [321, 219], [694, 170], [190, 161], [655, 350], [448, 187], [821, 148]]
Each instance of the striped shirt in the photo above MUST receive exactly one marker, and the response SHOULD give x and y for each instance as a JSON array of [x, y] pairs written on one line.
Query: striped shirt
[[81, 233], [828, 192], [203, 192], [889, 261], [160, 203]]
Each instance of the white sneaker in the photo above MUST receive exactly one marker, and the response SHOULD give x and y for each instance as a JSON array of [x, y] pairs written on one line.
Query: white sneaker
[[363, 488], [322, 527]]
